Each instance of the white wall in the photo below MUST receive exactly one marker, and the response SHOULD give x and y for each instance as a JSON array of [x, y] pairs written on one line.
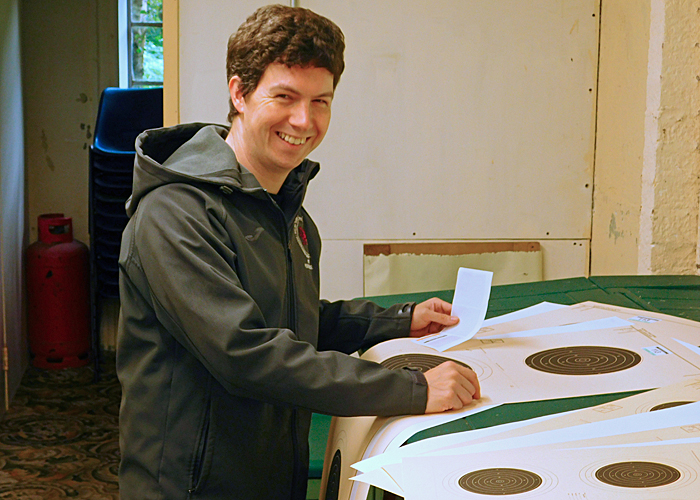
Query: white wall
[[12, 207], [455, 120]]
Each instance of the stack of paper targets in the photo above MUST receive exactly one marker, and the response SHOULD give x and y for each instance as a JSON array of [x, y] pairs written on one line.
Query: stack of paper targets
[[122, 115], [642, 441]]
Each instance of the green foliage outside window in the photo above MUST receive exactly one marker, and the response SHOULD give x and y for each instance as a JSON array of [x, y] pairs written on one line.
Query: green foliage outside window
[[146, 20]]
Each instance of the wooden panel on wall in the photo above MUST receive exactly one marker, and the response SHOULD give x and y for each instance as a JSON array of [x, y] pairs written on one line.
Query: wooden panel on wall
[[451, 248], [394, 268], [460, 119], [342, 264], [171, 62]]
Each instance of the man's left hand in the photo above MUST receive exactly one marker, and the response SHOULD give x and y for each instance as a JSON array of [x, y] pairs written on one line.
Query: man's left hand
[[431, 316]]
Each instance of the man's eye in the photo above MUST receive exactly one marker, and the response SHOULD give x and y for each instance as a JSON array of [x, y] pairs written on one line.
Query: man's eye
[[282, 96]]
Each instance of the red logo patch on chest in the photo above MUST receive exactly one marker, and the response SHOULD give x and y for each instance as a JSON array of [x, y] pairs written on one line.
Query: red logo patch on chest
[[302, 240]]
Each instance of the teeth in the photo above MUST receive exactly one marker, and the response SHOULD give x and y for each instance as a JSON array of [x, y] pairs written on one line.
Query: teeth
[[292, 140]]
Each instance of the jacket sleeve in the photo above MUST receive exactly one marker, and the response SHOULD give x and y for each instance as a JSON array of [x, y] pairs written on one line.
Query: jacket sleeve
[[350, 325], [181, 261]]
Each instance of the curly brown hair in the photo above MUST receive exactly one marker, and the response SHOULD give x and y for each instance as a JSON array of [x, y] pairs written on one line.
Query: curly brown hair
[[293, 36]]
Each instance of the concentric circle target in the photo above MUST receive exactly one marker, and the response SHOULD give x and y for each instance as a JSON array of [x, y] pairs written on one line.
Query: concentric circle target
[[638, 474], [500, 481], [583, 360], [670, 404], [333, 482], [421, 362]]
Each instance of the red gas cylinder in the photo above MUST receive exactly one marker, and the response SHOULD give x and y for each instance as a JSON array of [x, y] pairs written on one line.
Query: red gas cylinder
[[58, 283]]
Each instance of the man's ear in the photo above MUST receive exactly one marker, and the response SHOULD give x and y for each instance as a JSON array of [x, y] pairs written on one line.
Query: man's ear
[[235, 89]]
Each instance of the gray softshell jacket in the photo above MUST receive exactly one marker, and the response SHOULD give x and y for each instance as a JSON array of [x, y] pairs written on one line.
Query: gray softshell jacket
[[224, 348]]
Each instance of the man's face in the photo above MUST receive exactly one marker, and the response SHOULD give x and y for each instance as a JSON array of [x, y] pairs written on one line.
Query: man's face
[[284, 118]]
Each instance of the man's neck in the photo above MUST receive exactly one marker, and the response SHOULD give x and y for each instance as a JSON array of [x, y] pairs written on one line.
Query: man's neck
[[270, 182]]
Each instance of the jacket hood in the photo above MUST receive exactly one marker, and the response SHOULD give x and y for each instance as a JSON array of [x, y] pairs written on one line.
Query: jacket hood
[[197, 153]]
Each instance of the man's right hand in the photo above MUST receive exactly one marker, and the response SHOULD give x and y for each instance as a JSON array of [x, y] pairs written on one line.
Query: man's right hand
[[451, 386]]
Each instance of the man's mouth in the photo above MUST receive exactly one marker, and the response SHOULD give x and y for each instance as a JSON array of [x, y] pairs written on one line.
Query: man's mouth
[[296, 141]]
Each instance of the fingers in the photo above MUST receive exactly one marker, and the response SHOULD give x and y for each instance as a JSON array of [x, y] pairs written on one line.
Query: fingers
[[431, 316], [443, 319], [462, 397], [451, 386], [426, 325], [471, 377], [437, 305]]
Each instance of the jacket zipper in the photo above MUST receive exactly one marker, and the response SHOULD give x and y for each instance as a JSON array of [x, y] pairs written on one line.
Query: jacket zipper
[[292, 321], [292, 324], [200, 455]]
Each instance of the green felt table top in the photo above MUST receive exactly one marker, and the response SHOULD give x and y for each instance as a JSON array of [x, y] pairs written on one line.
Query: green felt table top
[[675, 295]]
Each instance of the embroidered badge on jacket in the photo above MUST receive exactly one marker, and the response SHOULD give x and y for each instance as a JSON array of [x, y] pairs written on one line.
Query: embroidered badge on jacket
[[302, 240]]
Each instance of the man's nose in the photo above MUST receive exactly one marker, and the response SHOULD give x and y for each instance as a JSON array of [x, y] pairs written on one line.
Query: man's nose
[[301, 116]]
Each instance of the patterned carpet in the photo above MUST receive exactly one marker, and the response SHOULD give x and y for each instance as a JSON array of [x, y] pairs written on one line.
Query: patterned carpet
[[60, 437]]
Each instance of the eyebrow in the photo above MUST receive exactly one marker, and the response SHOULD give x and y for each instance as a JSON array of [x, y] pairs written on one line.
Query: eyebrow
[[287, 88]]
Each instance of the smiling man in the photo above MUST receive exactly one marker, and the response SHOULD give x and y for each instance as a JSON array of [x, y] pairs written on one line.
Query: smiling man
[[224, 346], [281, 122]]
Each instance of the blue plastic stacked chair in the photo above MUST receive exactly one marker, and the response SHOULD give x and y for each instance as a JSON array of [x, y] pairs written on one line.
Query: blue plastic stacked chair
[[122, 115]]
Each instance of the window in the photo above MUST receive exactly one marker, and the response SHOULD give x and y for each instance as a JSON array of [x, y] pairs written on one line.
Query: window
[[141, 43]]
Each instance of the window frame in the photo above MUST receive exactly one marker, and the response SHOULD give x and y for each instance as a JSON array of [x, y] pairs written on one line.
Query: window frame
[[126, 79]]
